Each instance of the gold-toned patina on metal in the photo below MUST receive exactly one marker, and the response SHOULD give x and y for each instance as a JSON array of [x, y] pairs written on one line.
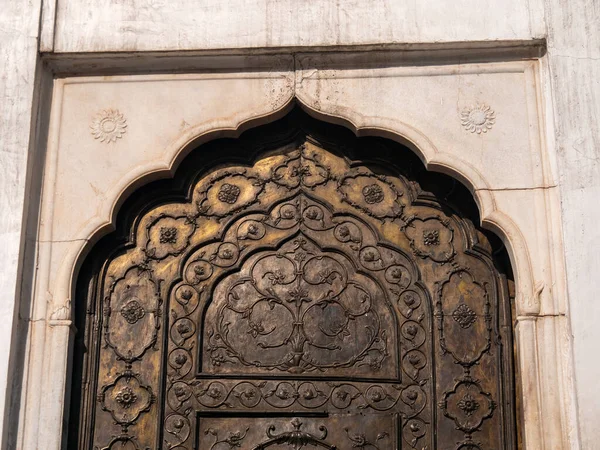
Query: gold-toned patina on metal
[[306, 299]]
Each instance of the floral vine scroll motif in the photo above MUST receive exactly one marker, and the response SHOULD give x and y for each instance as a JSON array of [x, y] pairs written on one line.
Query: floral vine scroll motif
[[178, 429], [301, 169], [233, 440], [413, 431], [359, 440], [299, 310]]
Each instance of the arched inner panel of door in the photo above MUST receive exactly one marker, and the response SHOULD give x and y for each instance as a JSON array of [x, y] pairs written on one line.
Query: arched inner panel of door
[[296, 286]]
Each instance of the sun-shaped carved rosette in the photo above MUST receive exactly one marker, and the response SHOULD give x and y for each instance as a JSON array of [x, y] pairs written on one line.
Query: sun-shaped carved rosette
[[108, 126], [478, 119]]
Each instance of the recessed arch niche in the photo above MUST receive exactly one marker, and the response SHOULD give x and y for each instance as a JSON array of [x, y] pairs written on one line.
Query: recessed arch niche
[[297, 285]]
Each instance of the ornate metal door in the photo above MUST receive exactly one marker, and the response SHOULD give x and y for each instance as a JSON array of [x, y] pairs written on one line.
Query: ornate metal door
[[305, 300]]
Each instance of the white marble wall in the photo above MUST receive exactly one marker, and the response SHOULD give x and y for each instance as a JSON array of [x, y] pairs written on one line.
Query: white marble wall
[[574, 67], [572, 99], [19, 23], [142, 25]]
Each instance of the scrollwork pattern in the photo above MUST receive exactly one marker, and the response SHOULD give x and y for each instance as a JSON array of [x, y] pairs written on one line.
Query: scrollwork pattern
[[278, 310], [299, 284]]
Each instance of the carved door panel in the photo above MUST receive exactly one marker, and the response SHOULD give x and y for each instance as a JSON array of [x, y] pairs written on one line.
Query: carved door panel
[[302, 301]]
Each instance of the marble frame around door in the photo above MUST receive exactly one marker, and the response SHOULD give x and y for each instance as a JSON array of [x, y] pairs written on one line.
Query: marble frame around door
[[470, 121]]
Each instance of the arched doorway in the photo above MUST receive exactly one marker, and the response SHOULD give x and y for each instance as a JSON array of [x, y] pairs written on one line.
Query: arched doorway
[[297, 286]]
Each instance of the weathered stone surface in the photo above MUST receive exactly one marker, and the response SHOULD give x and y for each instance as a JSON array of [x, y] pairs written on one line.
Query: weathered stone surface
[[139, 25], [574, 77], [18, 59]]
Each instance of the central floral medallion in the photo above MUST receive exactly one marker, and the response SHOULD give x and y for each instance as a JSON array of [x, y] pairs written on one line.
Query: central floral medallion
[[229, 193], [108, 126], [126, 397], [468, 404], [373, 194], [168, 235], [299, 309], [132, 311], [464, 316]]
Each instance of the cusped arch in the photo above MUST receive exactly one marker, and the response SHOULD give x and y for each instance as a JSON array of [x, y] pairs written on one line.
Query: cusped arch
[[430, 237], [433, 158]]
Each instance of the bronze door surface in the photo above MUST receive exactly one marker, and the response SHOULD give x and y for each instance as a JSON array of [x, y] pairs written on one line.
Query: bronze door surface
[[303, 300]]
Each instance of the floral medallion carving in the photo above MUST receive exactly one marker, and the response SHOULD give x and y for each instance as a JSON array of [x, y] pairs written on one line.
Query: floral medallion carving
[[126, 398], [373, 194], [108, 126], [462, 289], [464, 316], [478, 119], [168, 235], [468, 405], [431, 237], [228, 193], [132, 311]]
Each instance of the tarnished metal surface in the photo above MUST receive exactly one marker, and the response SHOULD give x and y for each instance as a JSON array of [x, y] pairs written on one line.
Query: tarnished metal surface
[[304, 301]]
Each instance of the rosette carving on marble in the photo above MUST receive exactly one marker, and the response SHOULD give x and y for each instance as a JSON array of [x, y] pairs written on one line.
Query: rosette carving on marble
[[478, 118], [108, 126]]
